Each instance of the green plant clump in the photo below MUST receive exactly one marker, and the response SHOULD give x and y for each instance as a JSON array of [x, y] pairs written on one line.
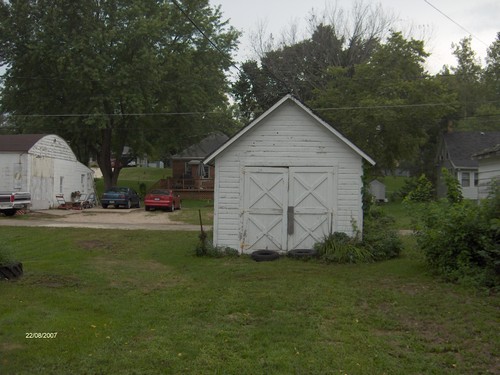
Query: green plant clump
[[380, 242], [461, 240], [206, 249], [422, 191], [378, 237], [338, 247], [453, 188]]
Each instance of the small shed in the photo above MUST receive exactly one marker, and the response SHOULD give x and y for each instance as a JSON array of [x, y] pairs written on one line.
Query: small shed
[[377, 189], [286, 181], [45, 166], [455, 153]]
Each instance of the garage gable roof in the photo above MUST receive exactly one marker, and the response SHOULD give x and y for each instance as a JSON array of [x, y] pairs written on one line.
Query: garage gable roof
[[258, 120], [19, 142]]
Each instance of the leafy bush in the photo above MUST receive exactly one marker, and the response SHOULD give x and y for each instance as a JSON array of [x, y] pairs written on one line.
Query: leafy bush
[[378, 237], [380, 242], [461, 240], [453, 188], [422, 191], [338, 247]]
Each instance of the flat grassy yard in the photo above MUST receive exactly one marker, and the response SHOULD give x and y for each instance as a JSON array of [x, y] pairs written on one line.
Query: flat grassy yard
[[137, 302]]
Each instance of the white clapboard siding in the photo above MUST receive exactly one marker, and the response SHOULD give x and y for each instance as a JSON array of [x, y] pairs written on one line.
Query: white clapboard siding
[[287, 137], [489, 171]]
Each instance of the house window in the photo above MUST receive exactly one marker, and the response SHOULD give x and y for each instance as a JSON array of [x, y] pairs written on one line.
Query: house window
[[187, 169], [476, 178], [465, 179]]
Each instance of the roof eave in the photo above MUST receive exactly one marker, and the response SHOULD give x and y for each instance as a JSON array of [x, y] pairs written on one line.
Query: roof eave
[[210, 158]]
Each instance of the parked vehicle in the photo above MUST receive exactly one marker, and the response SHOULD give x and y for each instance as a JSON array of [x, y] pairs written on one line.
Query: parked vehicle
[[120, 196], [10, 202], [162, 199]]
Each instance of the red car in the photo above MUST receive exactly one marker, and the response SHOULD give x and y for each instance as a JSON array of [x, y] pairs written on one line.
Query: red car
[[162, 199]]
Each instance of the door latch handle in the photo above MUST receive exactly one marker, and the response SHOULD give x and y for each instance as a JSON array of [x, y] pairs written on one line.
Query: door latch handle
[[290, 220]]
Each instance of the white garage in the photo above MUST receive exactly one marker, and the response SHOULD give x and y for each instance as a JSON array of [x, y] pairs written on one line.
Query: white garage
[[45, 166], [285, 181]]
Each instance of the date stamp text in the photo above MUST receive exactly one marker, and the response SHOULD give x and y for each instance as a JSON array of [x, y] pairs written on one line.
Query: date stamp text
[[41, 335]]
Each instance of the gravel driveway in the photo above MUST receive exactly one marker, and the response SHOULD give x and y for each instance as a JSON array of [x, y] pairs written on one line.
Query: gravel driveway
[[100, 219]]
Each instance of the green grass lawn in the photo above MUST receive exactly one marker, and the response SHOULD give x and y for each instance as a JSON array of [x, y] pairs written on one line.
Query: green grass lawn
[[401, 213], [191, 209], [137, 302], [134, 177]]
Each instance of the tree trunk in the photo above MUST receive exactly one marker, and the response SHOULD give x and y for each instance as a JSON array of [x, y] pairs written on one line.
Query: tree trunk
[[104, 158]]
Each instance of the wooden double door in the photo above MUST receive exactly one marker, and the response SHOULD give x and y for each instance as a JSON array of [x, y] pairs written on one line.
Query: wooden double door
[[286, 208]]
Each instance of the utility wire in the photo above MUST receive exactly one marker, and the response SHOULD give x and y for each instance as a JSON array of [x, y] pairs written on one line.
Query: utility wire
[[221, 52], [215, 46], [157, 114], [455, 22]]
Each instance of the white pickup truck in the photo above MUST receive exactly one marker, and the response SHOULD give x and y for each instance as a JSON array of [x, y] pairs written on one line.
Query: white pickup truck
[[10, 202]]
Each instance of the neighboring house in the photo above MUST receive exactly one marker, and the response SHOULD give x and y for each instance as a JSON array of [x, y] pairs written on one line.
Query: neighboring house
[[190, 177], [488, 169], [286, 181], [455, 153], [377, 189], [188, 170], [45, 166]]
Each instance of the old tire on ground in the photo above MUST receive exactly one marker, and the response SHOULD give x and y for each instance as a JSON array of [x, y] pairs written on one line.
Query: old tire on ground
[[11, 271], [10, 212], [264, 255], [302, 253], [104, 205]]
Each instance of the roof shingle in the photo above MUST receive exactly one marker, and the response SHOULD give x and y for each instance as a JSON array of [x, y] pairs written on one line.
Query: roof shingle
[[19, 142], [461, 146]]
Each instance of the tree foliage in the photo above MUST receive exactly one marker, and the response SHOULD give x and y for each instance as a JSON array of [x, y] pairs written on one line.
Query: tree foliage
[[301, 67], [103, 73], [388, 106], [477, 87]]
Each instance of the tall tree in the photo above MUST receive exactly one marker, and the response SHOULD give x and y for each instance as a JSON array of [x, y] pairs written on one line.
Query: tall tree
[[488, 113], [105, 74], [300, 67], [388, 106], [466, 80]]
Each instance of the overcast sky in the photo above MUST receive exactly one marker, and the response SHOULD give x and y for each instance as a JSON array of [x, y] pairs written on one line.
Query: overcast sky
[[481, 18]]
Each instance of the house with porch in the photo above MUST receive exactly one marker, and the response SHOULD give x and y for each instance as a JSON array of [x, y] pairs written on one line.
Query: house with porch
[[455, 153], [190, 177]]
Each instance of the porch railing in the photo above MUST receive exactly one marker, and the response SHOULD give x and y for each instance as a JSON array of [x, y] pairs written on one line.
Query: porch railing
[[185, 184]]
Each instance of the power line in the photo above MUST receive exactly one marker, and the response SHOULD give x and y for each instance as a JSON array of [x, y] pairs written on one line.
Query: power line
[[455, 22], [384, 106], [215, 46], [117, 114], [159, 114]]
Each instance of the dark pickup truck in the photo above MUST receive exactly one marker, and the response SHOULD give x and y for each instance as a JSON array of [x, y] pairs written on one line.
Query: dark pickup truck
[[10, 202]]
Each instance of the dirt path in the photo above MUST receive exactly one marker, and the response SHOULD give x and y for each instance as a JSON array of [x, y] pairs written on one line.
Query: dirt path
[[98, 218]]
